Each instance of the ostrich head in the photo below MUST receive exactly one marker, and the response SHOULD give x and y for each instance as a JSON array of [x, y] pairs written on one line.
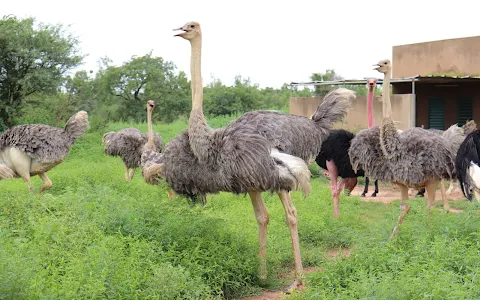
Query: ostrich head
[[150, 105], [371, 83], [383, 66], [191, 31]]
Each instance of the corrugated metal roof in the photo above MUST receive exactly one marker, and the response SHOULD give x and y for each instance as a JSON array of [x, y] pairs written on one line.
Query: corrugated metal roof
[[427, 78]]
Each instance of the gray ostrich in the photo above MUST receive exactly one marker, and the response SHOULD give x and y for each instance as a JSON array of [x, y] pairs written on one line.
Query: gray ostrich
[[454, 135], [413, 158], [128, 145], [231, 159], [33, 149]]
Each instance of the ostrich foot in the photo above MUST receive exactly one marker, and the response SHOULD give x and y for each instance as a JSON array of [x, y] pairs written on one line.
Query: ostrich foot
[[374, 194], [297, 284], [395, 231], [363, 195]]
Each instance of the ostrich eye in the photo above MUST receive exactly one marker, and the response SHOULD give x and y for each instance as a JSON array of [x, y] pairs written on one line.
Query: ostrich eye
[[192, 26]]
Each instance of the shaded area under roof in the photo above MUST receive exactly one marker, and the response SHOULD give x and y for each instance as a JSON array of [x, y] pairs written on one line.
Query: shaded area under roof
[[429, 78]]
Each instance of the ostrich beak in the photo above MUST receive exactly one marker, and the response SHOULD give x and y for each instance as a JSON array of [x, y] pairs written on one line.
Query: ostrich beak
[[377, 66], [179, 34]]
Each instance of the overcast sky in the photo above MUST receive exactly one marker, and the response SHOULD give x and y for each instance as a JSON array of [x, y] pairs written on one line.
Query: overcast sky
[[269, 41]]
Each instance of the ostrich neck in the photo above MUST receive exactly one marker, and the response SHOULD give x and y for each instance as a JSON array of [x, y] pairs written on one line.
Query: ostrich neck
[[370, 106], [150, 144], [389, 137], [387, 106], [198, 131]]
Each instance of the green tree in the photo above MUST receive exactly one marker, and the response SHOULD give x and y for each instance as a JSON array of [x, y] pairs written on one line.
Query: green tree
[[143, 78], [329, 75], [33, 59]]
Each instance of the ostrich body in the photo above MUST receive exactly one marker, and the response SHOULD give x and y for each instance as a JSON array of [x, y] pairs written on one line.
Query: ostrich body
[[413, 158], [128, 145], [33, 149], [231, 159], [454, 135], [467, 165], [297, 135]]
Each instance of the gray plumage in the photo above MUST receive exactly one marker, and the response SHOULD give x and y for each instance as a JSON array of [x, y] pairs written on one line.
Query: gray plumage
[[410, 158], [296, 135], [34, 149], [43, 142], [128, 145], [239, 161]]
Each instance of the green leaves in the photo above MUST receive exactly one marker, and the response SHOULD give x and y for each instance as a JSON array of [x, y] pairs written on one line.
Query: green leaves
[[33, 58]]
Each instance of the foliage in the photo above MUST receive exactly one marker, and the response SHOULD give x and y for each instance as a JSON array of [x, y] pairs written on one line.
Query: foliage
[[33, 58], [143, 78], [95, 236]]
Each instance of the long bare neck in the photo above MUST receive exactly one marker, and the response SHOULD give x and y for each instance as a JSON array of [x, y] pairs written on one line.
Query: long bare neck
[[370, 106], [387, 105], [389, 136], [196, 73], [150, 145], [198, 131]]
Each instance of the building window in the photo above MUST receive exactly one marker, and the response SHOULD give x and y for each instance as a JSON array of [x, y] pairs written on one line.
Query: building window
[[436, 112], [464, 109]]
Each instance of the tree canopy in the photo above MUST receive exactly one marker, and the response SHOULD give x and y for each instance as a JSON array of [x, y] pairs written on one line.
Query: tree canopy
[[33, 58]]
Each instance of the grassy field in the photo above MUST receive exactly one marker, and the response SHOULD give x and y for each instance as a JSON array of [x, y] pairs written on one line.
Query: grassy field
[[93, 236]]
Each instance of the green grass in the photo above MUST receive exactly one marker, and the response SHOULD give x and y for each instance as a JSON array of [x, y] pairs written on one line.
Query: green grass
[[95, 236]]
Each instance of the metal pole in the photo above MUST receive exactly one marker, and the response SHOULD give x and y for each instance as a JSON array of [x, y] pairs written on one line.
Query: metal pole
[[414, 106]]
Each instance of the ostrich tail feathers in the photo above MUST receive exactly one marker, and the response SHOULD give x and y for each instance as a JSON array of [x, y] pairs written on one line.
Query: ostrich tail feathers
[[333, 107], [293, 170], [77, 124], [152, 173], [6, 172]]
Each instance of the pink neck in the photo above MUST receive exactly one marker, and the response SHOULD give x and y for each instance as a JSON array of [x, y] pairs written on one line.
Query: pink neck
[[370, 106]]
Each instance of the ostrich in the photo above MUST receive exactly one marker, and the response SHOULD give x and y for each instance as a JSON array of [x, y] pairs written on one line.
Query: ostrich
[[454, 135], [334, 158], [33, 149], [128, 145], [467, 165], [231, 159], [413, 158]]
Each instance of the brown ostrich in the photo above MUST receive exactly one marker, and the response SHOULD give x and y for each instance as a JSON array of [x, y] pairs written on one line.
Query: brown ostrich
[[33, 149]]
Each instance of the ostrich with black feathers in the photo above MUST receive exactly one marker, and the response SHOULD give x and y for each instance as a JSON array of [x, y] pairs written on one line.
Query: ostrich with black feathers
[[467, 164]]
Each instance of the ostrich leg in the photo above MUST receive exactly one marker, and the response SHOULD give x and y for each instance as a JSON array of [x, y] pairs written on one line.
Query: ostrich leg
[[403, 207], [374, 194], [261, 214], [47, 183], [333, 173], [126, 173], [21, 163], [450, 187], [131, 173], [292, 221], [431, 188], [365, 190], [444, 196]]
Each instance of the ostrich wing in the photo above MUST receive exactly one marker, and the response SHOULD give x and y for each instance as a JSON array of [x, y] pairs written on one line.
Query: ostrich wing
[[42, 142], [123, 142], [291, 134]]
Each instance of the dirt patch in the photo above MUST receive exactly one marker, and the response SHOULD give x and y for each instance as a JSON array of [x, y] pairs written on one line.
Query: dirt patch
[[342, 252], [388, 194], [279, 294]]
